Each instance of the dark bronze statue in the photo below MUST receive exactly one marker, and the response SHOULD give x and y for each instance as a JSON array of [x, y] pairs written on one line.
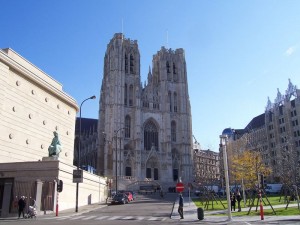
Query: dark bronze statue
[[55, 148]]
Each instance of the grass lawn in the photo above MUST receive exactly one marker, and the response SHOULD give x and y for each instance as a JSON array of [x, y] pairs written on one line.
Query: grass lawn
[[274, 200], [291, 211]]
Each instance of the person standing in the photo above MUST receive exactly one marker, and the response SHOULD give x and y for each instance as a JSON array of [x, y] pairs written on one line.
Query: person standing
[[233, 200], [239, 198], [21, 205], [180, 206]]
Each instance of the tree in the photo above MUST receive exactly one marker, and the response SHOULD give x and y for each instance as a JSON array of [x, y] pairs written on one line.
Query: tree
[[247, 165]]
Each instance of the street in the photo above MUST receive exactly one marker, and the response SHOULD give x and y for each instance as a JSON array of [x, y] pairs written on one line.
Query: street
[[145, 210]]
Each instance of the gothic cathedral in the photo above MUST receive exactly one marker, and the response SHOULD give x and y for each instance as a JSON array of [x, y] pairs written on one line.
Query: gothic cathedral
[[145, 130]]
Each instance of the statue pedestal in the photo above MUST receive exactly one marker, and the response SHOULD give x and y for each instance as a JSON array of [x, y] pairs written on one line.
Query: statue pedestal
[[51, 158]]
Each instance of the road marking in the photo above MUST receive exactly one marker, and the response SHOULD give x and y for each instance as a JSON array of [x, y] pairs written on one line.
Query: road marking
[[113, 218], [101, 218], [153, 218], [63, 218], [89, 217], [77, 217], [127, 218], [140, 218]]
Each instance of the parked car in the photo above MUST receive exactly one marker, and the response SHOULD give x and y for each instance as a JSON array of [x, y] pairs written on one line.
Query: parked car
[[120, 198], [198, 192], [133, 194], [129, 195]]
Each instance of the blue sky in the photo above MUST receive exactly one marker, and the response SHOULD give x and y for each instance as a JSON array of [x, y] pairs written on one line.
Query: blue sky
[[237, 52]]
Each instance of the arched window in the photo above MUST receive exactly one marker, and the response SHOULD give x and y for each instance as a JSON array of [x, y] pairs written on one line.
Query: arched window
[[174, 68], [127, 126], [173, 131], [150, 135], [131, 95], [168, 71], [125, 95], [126, 63], [175, 102], [131, 63], [168, 67], [170, 100], [175, 76]]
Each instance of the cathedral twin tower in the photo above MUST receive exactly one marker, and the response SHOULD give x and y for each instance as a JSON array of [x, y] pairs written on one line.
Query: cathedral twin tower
[[145, 131]]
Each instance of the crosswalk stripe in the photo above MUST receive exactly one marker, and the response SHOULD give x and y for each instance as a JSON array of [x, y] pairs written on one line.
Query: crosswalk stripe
[[127, 218], [64, 218], [113, 218], [101, 217], [85, 218], [153, 218], [89, 217], [77, 217], [140, 218]]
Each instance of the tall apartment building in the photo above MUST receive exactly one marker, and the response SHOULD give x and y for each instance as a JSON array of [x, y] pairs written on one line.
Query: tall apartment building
[[206, 167], [282, 124], [145, 130], [276, 134]]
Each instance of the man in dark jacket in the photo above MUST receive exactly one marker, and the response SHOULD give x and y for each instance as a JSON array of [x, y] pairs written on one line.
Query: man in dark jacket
[[239, 198], [180, 207], [21, 204]]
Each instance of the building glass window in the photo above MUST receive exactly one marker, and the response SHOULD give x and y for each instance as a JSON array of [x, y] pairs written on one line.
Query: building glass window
[[174, 68], [125, 95], [168, 67], [173, 131], [131, 64], [150, 136], [281, 110], [126, 64], [127, 126], [293, 103], [175, 102], [170, 100], [131, 95]]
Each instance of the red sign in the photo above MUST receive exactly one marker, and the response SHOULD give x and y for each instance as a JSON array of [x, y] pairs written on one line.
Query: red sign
[[179, 187]]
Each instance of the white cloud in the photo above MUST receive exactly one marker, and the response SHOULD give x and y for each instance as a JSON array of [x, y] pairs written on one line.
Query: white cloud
[[291, 50]]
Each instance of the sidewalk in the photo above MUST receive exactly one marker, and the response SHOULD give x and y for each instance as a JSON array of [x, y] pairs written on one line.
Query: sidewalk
[[190, 215], [62, 213]]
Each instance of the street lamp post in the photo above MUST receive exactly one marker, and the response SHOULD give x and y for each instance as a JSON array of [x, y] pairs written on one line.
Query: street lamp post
[[79, 150], [116, 140], [223, 143]]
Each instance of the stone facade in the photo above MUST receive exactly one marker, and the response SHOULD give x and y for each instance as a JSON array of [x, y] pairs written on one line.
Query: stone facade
[[148, 124], [206, 167], [32, 107]]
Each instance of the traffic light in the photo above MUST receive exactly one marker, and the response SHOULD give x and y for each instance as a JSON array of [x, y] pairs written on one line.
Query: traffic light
[[60, 185]]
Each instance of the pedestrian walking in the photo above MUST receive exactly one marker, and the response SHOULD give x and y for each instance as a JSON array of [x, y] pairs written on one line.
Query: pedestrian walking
[[180, 207], [21, 206], [239, 199], [232, 200]]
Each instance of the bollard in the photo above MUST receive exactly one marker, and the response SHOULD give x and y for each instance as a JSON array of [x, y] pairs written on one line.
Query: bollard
[[200, 214], [261, 207]]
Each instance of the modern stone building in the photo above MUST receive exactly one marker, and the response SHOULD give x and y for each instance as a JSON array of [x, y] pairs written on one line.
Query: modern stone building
[[145, 130], [32, 106], [276, 134]]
